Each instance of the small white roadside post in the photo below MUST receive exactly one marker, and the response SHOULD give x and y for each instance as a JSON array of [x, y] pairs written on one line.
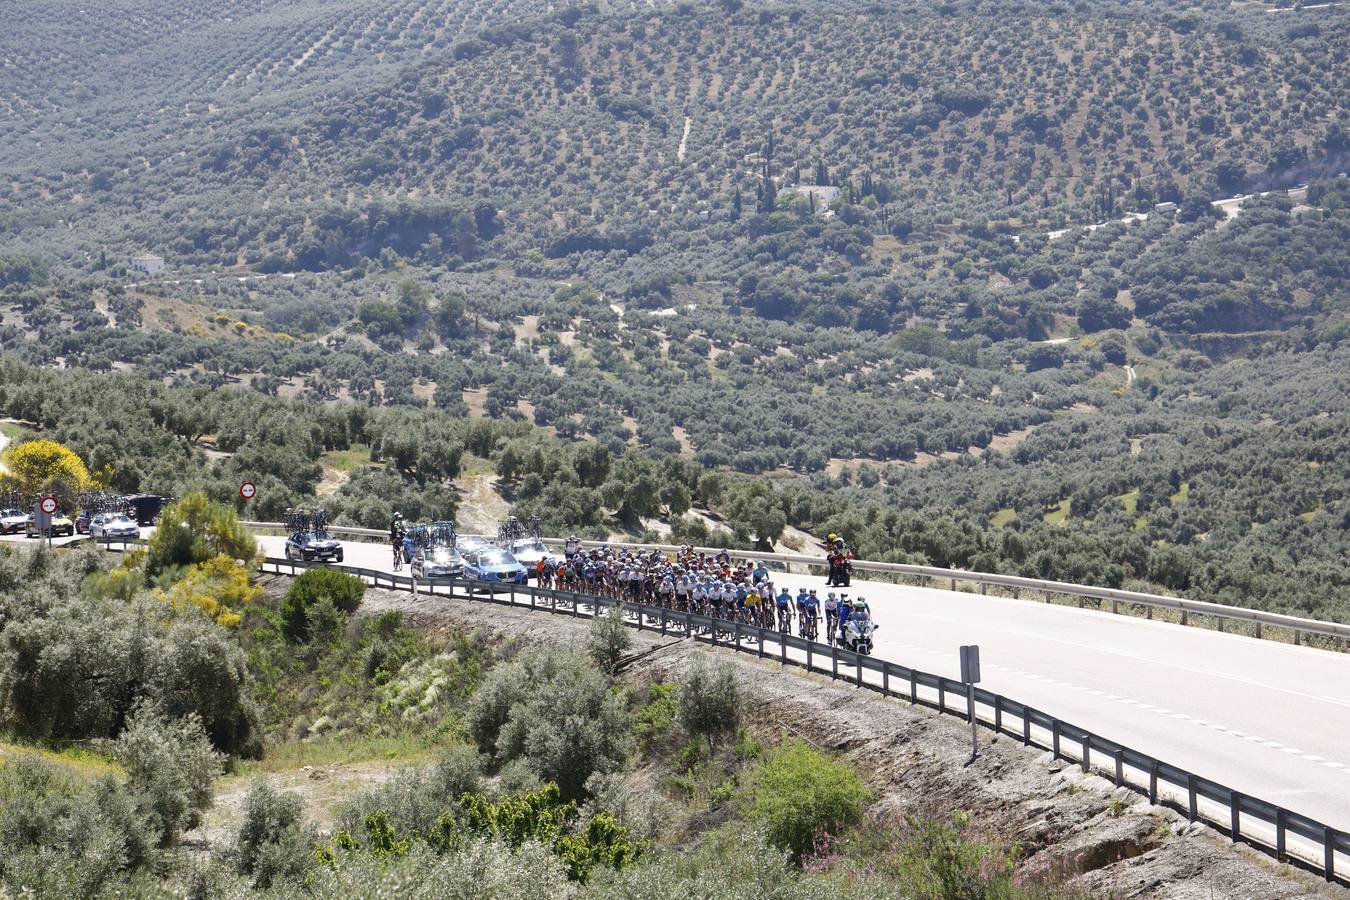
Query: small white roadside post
[[970, 676]]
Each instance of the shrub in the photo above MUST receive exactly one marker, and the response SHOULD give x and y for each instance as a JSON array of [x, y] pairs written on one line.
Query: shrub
[[219, 587], [416, 797], [313, 588], [274, 843], [555, 712], [542, 817], [710, 704], [61, 838], [478, 868], [799, 796], [170, 764], [194, 530], [608, 640]]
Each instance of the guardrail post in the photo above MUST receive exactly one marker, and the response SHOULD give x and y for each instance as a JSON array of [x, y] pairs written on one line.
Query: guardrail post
[[834, 661], [1017, 593], [1115, 606], [913, 687], [1153, 782], [1297, 635], [1258, 630], [953, 584], [1087, 752], [1192, 798], [984, 589], [857, 661], [1054, 738], [1280, 825], [1183, 618], [942, 696], [1221, 620], [1026, 726], [782, 651], [885, 680], [808, 654], [1120, 767], [1234, 813], [1150, 612], [1329, 852], [663, 621], [759, 636], [998, 714]]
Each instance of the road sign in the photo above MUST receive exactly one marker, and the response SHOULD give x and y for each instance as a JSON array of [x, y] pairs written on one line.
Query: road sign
[[970, 664], [248, 490], [48, 505], [970, 675]]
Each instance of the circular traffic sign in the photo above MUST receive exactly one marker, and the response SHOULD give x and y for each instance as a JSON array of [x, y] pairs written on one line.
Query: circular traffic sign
[[48, 505], [248, 490]]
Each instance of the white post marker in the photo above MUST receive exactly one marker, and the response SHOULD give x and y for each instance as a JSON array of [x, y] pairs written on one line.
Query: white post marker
[[248, 490], [970, 675]]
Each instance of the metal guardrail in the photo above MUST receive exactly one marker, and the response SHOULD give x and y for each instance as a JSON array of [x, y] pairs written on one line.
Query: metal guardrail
[[1315, 845]]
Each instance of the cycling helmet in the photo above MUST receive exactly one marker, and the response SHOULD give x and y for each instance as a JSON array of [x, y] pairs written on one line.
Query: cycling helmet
[[860, 603], [834, 537]]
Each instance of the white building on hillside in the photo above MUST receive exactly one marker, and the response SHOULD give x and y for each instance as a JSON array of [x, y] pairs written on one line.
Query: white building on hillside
[[148, 263]]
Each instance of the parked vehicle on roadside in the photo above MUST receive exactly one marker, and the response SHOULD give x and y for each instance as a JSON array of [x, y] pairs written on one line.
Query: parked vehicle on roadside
[[61, 526], [12, 521], [113, 525], [493, 564], [145, 507], [313, 545]]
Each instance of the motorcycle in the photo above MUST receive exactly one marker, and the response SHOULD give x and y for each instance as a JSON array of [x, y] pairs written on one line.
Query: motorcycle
[[857, 636]]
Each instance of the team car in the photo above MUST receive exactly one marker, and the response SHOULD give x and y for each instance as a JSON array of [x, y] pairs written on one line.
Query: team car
[[529, 551], [472, 543], [12, 521], [113, 525], [493, 564], [437, 562], [61, 526], [313, 545]]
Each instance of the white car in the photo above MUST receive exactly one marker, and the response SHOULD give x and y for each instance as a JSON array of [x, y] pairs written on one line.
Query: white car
[[113, 525], [470, 543], [12, 521], [529, 551]]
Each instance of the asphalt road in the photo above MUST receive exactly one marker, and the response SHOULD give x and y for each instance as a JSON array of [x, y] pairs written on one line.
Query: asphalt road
[[1269, 719]]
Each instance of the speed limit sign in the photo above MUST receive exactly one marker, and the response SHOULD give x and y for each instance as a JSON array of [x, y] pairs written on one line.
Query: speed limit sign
[[248, 490], [48, 505]]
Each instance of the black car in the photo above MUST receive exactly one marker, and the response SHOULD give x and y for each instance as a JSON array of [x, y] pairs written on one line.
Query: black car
[[313, 545], [144, 508]]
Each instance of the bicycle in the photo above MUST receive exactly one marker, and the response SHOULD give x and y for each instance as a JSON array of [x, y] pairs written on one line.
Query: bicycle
[[398, 555]]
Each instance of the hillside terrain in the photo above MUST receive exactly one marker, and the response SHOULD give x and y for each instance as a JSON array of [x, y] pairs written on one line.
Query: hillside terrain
[[853, 261]]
